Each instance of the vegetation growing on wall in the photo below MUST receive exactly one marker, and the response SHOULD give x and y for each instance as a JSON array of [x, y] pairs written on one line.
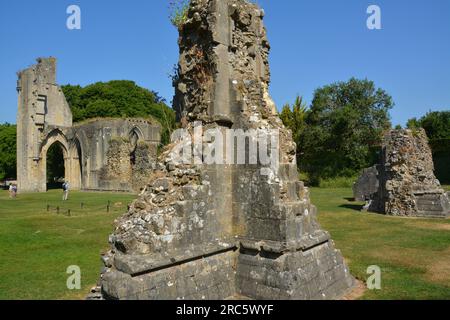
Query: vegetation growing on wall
[[178, 10]]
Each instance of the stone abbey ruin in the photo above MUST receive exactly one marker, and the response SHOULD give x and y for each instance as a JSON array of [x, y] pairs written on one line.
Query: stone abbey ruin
[[201, 231], [100, 154], [403, 184]]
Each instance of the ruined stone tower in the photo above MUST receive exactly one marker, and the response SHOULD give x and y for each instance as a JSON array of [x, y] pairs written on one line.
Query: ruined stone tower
[[215, 231], [38, 90], [404, 184], [97, 153]]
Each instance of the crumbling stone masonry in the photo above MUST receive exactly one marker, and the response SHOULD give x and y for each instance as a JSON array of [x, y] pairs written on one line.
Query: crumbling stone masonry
[[403, 184], [44, 118], [219, 231]]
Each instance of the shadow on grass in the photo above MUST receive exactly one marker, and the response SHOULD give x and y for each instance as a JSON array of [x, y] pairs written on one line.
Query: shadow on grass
[[356, 207]]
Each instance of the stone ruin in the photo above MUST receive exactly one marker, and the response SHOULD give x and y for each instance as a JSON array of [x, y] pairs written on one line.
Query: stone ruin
[[216, 231], [403, 184], [99, 154]]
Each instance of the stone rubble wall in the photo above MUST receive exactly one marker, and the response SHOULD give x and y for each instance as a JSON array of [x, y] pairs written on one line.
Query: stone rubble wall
[[406, 184], [119, 172], [215, 231], [44, 118], [106, 149], [118, 164]]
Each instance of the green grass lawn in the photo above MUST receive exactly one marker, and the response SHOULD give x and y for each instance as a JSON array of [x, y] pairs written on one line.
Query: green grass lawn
[[37, 246], [413, 254]]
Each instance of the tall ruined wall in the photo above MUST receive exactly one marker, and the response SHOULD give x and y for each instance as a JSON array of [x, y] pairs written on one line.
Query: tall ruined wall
[[116, 154], [118, 164], [41, 103], [143, 163], [213, 231], [223, 58], [44, 118], [406, 184]]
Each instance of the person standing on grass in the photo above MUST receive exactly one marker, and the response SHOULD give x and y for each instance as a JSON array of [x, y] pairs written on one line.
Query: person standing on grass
[[11, 191], [14, 191], [66, 187]]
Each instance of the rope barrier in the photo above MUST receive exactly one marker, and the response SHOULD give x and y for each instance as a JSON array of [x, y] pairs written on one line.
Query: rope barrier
[[108, 208]]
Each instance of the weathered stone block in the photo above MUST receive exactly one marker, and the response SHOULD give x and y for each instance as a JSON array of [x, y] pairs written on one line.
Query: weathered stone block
[[221, 230], [367, 184], [403, 184]]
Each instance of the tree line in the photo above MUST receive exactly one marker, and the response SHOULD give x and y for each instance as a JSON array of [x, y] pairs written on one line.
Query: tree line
[[340, 133], [119, 99], [113, 99]]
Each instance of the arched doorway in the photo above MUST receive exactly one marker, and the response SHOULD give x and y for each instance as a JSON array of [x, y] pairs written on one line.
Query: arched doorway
[[56, 163], [55, 166], [134, 136]]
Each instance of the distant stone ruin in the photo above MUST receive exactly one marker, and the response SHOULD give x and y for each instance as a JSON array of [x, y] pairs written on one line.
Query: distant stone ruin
[[218, 231], [99, 154], [403, 184]]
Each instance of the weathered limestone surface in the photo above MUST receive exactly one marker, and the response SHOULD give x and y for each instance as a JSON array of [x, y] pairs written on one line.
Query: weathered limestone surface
[[405, 183], [116, 154], [37, 90], [203, 231], [366, 185], [44, 118]]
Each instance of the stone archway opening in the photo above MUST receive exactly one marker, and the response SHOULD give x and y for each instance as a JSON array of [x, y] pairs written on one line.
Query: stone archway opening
[[55, 166], [134, 138], [56, 163]]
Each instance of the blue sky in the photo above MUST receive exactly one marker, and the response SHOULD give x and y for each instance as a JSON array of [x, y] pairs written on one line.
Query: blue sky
[[314, 43]]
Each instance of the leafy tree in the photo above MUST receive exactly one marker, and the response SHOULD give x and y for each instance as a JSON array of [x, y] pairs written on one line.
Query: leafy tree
[[437, 127], [436, 124], [119, 98], [413, 124], [294, 118], [7, 151], [343, 129]]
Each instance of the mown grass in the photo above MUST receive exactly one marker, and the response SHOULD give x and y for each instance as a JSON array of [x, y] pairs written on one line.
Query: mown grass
[[37, 246], [413, 254], [338, 182]]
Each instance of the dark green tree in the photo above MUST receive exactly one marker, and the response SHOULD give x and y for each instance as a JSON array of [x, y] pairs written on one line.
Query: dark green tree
[[294, 118], [437, 127], [436, 124], [7, 151], [343, 129], [119, 98]]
